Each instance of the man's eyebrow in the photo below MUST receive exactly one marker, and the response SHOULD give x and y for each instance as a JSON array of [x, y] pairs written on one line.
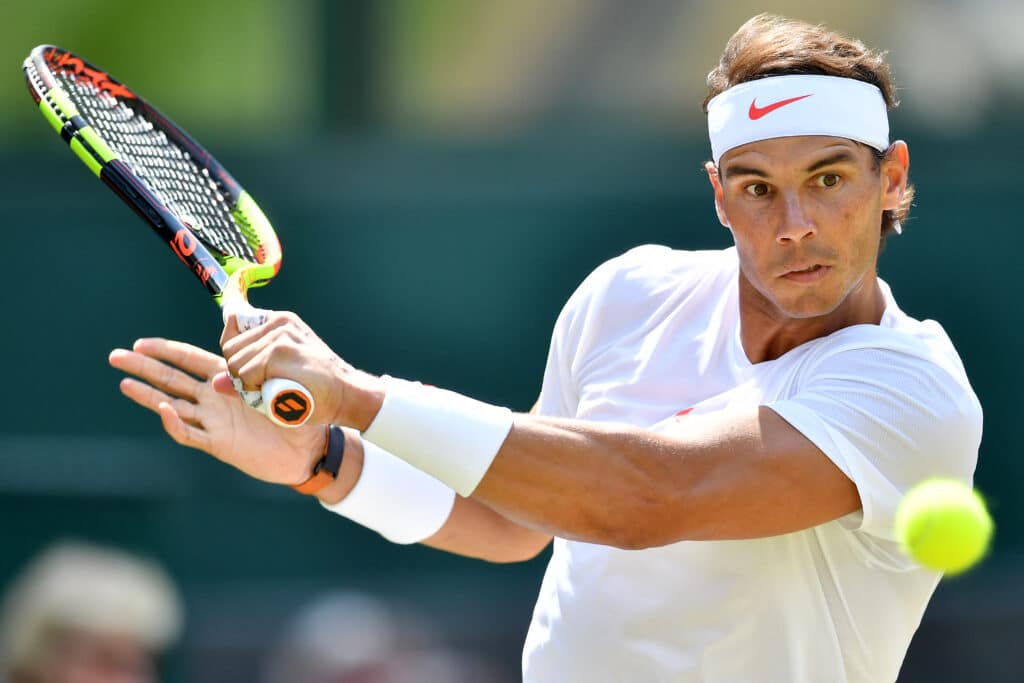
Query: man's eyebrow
[[732, 171], [836, 158]]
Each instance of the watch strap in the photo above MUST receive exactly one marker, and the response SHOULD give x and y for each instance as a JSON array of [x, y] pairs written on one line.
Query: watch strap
[[326, 469]]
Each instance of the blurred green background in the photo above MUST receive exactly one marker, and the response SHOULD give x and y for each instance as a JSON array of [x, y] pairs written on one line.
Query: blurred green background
[[443, 174]]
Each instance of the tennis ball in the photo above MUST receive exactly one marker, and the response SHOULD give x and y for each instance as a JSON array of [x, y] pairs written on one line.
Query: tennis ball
[[943, 524]]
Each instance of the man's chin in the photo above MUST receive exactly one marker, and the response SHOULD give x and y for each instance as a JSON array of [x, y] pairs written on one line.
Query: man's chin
[[806, 309]]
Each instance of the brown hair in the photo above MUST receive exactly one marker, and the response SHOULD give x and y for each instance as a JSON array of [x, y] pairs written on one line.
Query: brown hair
[[769, 45]]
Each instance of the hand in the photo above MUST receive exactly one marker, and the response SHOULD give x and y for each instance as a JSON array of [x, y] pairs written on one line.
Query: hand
[[284, 346], [207, 413]]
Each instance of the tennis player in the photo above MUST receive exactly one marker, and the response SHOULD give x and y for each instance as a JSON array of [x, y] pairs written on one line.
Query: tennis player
[[721, 437]]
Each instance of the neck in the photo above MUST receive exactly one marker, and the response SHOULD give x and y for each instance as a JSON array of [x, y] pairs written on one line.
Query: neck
[[767, 333]]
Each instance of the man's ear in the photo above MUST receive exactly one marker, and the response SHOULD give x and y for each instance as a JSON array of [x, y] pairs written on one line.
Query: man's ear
[[716, 185], [895, 168]]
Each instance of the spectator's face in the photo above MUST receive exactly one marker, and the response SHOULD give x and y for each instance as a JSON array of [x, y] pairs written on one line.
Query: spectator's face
[[805, 213], [81, 657]]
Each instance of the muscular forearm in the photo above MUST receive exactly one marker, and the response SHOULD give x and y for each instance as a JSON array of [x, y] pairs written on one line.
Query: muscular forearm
[[601, 483], [732, 475]]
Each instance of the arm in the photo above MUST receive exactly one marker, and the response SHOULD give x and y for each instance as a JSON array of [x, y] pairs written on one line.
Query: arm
[[196, 414], [729, 475], [472, 529]]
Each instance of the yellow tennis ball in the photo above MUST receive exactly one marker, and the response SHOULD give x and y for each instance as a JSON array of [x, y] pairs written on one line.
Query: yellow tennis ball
[[944, 524]]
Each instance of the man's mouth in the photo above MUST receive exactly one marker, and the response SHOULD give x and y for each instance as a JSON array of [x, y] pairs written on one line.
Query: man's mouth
[[806, 274]]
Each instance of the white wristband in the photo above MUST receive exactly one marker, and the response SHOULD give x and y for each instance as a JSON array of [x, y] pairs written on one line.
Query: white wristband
[[395, 499], [449, 436]]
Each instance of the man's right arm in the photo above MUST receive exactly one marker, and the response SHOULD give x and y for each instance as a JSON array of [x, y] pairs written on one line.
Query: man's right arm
[[472, 529], [176, 381], [475, 530]]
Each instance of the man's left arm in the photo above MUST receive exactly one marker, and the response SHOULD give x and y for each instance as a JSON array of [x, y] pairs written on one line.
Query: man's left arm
[[740, 473]]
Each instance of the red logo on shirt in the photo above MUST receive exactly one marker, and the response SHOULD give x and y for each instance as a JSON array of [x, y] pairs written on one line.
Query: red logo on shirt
[[684, 411]]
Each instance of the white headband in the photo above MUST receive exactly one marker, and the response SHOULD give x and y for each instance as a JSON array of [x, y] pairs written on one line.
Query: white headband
[[784, 106]]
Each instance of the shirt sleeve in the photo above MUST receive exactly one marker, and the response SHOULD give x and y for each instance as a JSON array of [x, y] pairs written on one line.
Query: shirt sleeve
[[586, 318], [558, 394], [888, 420]]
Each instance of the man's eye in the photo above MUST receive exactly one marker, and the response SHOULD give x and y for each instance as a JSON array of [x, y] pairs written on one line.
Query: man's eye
[[757, 189], [828, 180]]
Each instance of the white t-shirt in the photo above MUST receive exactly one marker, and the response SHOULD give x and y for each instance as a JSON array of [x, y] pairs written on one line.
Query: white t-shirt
[[655, 332]]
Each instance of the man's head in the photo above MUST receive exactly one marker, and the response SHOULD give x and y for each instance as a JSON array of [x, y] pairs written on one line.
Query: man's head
[[83, 614], [804, 174]]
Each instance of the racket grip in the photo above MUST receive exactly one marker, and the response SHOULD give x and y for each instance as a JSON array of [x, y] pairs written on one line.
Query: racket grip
[[286, 402]]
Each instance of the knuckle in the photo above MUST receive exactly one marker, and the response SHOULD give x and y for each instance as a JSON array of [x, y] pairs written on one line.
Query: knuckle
[[166, 374], [250, 374]]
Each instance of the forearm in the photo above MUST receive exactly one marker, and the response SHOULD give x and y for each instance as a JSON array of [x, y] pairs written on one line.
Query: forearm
[[600, 483], [741, 473], [475, 530], [471, 529], [567, 478], [729, 475]]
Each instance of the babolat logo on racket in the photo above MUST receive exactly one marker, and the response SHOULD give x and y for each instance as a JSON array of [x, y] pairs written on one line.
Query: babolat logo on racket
[[290, 406]]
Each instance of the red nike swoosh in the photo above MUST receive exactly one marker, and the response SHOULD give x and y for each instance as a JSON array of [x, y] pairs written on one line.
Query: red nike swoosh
[[757, 112]]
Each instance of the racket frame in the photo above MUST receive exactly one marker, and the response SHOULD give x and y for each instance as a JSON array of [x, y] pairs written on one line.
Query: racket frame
[[226, 277]]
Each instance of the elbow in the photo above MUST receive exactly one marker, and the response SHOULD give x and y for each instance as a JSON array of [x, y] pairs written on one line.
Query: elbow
[[642, 540], [522, 550], [514, 556], [649, 524]]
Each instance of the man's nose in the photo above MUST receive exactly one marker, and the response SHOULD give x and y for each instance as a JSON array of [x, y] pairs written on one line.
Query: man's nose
[[795, 223]]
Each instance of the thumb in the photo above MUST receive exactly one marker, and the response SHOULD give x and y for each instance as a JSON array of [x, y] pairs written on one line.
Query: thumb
[[222, 384]]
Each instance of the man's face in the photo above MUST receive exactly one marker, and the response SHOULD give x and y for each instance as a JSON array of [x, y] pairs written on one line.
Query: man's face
[[805, 213]]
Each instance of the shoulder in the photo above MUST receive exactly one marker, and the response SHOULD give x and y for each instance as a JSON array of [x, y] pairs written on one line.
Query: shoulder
[[900, 343], [644, 272], [908, 376]]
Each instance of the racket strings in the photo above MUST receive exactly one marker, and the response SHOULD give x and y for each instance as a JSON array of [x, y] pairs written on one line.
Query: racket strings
[[184, 187]]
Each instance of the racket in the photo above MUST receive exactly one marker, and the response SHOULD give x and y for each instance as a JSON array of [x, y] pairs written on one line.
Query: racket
[[211, 223]]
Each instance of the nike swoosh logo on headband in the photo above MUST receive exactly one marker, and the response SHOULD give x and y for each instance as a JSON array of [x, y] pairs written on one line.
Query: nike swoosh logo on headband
[[757, 112]]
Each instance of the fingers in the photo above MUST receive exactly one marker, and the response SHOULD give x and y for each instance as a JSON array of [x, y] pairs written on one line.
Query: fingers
[[248, 362], [183, 433], [189, 358], [232, 340], [148, 397], [230, 330], [250, 354], [253, 364], [160, 375]]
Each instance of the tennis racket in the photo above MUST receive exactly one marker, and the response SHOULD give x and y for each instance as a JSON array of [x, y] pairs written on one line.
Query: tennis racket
[[173, 184]]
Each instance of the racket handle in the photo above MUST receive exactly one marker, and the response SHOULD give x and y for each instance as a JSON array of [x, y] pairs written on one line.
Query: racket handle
[[287, 402]]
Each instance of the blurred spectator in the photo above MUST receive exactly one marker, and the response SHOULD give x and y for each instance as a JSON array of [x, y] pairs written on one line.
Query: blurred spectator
[[355, 638], [85, 614]]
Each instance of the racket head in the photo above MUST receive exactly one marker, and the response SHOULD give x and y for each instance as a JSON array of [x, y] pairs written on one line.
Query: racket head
[[187, 197]]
